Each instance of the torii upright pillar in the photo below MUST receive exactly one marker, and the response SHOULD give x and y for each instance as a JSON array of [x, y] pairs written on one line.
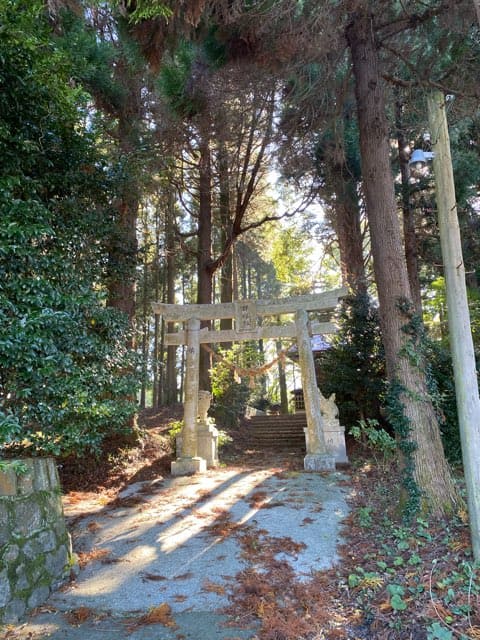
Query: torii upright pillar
[[317, 458], [189, 463]]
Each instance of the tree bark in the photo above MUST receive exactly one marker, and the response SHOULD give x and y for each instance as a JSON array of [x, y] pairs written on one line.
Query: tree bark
[[124, 248], [409, 232], [205, 275], [431, 471], [171, 377], [463, 354], [226, 277], [348, 230]]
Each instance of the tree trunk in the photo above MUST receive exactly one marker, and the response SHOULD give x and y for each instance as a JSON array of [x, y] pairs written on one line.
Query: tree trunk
[[409, 232], [171, 377], [145, 322], [463, 354], [226, 277], [204, 292], [341, 183], [123, 247], [282, 381], [431, 472], [349, 233]]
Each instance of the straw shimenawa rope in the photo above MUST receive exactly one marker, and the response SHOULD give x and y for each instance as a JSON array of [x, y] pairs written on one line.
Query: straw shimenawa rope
[[248, 372]]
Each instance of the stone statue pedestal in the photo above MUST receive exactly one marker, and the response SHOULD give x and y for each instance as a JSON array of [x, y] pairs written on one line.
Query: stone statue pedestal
[[188, 466], [335, 441], [319, 462], [207, 444]]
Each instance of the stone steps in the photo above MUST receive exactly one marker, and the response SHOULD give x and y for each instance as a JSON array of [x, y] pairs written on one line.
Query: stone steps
[[283, 432]]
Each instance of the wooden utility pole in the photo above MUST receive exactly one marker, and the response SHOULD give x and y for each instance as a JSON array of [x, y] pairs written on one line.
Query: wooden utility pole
[[463, 356]]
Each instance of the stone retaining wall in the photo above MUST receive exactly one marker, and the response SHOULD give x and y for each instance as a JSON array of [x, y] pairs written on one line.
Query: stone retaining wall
[[35, 549]]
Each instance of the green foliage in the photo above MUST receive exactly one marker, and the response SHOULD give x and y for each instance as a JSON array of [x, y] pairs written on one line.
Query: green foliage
[[178, 82], [290, 255], [140, 10], [375, 439], [17, 466], [230, 396], [401, 424], [437, 631], [355, 364], [65, 375]]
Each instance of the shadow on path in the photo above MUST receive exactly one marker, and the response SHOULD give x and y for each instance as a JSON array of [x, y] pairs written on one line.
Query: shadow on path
[[175, 546]]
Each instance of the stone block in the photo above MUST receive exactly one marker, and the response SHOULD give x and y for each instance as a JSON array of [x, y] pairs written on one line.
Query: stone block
[[188, 466], [14, 611], [335, 443], [8, 483], [25, 481], [28, 517], [5, 591], [41, 479], [207, 443], [47, 540], [53, 509], [319, 462], [9, 555], [21, 578], [4, 522], [52, 473], [57, 561], [38, 597]]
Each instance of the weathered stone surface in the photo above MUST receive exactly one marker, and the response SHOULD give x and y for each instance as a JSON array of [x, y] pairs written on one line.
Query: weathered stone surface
[[10, 554], [28, 517], [53, 507], [61, 532], [47, 540], [8, 483], [31, 549], [4, 519], [319, 462], [56, 562], [335, 441], [35, 545], [4, 588], [41, 480], [52, 473], [14, 610], [38, 597], [25, 484], [22, 582], [207, 439], [188, 466]]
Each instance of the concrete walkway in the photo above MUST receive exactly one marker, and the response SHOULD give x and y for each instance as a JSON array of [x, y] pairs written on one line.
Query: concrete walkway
[[170, 550]]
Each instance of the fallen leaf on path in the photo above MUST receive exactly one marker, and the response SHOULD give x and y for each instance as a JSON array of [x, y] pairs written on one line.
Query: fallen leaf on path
[[76, 617], [159, 615], [90, 556], [213, 587], [183, 576], [155, 577]]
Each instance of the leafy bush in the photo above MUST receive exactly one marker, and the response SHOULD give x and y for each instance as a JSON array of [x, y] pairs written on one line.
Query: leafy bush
[[66, 378], [374, 439]]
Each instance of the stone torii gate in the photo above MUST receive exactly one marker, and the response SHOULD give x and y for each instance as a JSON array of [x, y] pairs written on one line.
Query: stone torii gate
[[246, 314]]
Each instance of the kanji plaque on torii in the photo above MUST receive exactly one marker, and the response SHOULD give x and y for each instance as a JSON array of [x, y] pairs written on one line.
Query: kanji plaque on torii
[[246, 314]]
